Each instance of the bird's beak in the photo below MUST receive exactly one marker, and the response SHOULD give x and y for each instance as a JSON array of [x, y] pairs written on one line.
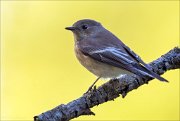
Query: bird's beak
[[71, 28]]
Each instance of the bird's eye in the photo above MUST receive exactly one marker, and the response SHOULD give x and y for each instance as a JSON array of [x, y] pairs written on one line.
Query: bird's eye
[[84, 26]]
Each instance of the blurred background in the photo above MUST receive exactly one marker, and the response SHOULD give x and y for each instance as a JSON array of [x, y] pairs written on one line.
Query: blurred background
[[38, 66]]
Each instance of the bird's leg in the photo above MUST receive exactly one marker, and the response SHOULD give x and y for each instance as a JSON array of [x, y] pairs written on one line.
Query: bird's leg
[[90, 88]]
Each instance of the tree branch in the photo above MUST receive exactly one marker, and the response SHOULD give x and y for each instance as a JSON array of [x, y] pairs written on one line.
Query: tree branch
[[110, 90]]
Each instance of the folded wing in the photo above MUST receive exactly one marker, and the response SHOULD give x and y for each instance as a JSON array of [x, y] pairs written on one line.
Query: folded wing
[[117, 57]]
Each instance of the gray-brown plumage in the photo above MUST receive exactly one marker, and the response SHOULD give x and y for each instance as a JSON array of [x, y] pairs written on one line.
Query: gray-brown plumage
[[103, 54]]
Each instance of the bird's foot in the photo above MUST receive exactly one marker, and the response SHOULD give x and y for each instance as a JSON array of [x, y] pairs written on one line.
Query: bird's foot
[[91, 88]]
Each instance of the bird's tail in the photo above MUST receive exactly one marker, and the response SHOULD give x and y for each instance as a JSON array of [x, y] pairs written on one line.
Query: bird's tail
[[141, 70]]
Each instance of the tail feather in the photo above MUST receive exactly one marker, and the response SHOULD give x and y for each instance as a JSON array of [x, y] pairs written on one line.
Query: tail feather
[[143, 70]]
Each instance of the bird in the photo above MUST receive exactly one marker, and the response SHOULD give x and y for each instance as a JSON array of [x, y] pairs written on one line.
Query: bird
[[104, 54]]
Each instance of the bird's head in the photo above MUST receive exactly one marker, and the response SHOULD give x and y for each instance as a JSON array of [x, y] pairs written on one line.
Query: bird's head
[[85, 28]]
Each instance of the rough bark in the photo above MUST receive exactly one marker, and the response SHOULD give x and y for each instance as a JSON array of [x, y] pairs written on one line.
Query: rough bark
[[110, 90]]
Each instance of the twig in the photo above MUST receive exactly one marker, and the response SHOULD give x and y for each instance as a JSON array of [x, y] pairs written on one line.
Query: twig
[[110, 90]]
